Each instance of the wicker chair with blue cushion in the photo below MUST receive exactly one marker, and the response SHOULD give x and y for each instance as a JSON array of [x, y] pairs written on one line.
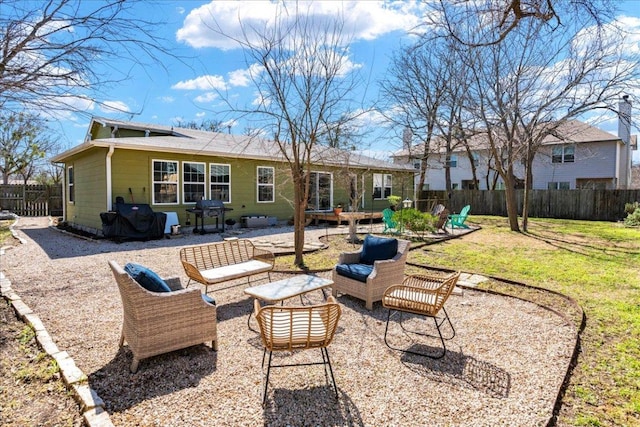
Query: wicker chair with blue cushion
[[160, 316], [365, 274]]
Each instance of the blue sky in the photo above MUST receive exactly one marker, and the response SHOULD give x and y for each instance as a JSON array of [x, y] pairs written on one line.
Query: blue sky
[[187, 91]]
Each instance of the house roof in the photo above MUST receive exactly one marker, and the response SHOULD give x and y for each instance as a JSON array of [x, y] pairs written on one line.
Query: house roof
[[572, 131], [198, 142]]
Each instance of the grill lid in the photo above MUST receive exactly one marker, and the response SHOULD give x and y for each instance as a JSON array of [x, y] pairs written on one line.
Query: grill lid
[[209, 204]]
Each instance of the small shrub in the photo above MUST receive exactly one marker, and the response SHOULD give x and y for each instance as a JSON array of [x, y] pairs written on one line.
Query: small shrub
[[630, 208], [418, 222], [633, 214]]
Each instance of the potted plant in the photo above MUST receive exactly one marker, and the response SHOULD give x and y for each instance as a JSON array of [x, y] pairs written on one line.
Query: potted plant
[[337, 210]]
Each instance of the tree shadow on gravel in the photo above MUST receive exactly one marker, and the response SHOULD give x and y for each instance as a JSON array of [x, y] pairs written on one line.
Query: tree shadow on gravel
[[313, 406], [156, 376], [456, 367]]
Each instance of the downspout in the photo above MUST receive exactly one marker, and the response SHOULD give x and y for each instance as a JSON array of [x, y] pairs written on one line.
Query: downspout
[[108, 167], [64, 192], [616, 185]]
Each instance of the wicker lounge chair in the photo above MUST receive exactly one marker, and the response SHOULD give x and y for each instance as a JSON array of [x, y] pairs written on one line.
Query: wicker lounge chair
[[423, 295], [370, 278], [291, 328], [159, 322]]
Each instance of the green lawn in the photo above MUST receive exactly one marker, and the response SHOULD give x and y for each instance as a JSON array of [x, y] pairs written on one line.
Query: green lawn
[[596, 263]]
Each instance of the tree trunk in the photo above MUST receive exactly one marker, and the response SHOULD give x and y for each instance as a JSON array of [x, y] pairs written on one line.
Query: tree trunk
[[512, 203], [299, 220], [528, 185]]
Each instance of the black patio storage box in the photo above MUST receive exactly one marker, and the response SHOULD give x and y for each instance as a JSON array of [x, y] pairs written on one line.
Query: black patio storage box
[[131, 221]]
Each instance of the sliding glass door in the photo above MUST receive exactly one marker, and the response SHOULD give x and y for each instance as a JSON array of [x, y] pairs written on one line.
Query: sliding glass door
[[320, 191]]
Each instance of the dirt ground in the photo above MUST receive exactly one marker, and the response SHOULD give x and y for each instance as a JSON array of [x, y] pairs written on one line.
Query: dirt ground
[[31, 390]]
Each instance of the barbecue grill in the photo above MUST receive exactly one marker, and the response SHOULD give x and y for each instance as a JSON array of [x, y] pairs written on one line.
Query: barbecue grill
[[209, 209]]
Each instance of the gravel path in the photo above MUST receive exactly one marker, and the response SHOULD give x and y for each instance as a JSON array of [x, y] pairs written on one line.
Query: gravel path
[[504, 367]]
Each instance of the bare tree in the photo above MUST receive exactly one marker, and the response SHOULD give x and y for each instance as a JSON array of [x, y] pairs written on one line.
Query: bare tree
[[413, 92], [488, 22], [304, 86], [526, 87], [51, 51], [23, 141]]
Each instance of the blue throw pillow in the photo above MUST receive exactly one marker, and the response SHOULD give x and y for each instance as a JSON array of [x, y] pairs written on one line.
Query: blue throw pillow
[[208, 299], [146, 278], [377, 249], [358, 272]]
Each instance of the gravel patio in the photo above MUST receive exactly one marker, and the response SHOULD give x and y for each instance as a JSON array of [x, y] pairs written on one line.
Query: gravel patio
[[504, 367]]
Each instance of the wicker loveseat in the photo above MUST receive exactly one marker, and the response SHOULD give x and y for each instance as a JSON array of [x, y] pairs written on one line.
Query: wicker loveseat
[[159, 322], [218, 262], [366, 273]]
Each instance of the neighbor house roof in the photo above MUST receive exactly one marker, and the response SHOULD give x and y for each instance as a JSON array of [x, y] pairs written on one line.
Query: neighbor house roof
[[571, 131], [198, 142]]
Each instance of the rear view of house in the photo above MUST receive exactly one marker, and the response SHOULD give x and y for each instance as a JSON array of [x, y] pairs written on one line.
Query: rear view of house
[[170, 169]]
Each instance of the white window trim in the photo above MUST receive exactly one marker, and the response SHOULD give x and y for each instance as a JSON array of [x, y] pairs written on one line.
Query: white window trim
[[384, 185], [153, 182], [220, 183], [204, 164], [563, 149], [71, 185], [272, 185]]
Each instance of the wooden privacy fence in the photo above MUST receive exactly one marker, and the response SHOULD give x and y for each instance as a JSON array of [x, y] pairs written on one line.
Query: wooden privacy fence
[[31, 200], [598, 205]]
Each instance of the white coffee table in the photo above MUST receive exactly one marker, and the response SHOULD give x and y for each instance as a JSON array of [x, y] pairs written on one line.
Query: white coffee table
[[280, 290]]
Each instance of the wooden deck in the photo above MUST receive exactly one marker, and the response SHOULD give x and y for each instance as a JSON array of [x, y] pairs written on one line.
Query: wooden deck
[[317, 216]]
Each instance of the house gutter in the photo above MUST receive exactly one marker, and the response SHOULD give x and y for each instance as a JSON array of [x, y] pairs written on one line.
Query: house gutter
[[108, 167]]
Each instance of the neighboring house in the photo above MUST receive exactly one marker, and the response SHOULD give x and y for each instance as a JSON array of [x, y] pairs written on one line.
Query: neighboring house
[[172, 168], [579, 156]]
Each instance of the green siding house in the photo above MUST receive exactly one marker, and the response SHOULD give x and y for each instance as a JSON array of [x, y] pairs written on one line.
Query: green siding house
[[170, 169]]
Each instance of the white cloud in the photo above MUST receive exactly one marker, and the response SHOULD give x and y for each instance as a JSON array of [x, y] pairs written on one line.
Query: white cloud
[[243, 77], [166, 99], [206, 82], [260, 100], [369, 119], [631, 27], [201, 114], [206, 97], [180, 10], [364, 20], [114, 107]]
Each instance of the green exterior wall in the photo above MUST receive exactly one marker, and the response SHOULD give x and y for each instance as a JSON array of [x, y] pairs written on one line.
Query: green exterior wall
[[132, 170], [90, 176]]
